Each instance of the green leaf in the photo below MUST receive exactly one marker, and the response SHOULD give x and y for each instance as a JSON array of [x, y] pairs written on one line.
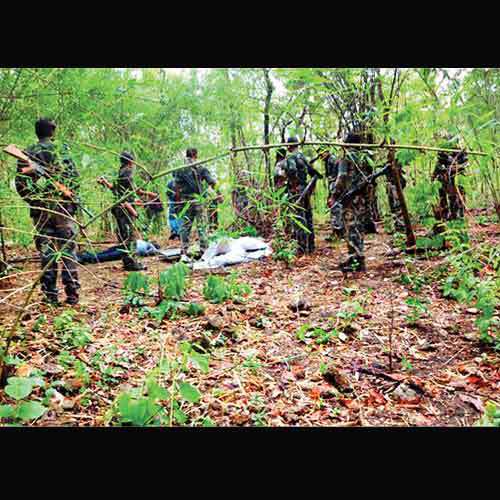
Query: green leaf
[[19, 387], [156, 391], [189, 392], [29, 410], [200, 361], [6, 411], [208, 422], [180, 417]]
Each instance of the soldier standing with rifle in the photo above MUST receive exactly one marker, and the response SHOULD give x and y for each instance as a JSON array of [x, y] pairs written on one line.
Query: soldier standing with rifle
[[189, 185], [299, 195], [392, 193], [451, 196], [350, 175], [48, 186], [331, 172], [124, 213]]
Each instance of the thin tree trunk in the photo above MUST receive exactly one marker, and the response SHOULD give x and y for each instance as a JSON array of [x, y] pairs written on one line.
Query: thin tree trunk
[[267, 109]]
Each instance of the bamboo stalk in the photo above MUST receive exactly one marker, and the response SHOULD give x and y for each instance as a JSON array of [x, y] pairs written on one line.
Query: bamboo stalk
[[350, 145]]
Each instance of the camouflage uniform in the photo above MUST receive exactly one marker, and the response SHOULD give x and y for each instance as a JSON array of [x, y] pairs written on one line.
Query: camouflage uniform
[[392, 195], [189, 183], [451, 196], [331, 172], [125, 221], [297, 169], [349, 175], [52, 215]]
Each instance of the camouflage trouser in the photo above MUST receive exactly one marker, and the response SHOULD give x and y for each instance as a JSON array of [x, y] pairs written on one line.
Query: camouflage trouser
[[53, 233], [450, 200], [353, 223], [456, 198], [192, 212], [395, 207], [336, 220], [125, 233], [304, 216]]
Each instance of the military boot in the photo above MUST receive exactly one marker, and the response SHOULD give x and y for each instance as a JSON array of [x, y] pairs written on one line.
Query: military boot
[[134, 266], [353, 264], [51, 299], [72, 299]]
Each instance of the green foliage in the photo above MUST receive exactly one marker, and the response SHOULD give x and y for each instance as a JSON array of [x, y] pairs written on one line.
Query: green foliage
[[491, 417], [19, 388], [318, 334], [417, 310], [173, 281], [74, 333], [136, 285], [218, 289], [153, 404]]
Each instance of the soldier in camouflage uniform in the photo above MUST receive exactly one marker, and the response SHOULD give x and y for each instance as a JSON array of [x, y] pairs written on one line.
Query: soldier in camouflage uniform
[[126, 218], [451, 196], [350, 174], [297, 170], [52, 213], [189, 183], [392, 193], [331, 171]]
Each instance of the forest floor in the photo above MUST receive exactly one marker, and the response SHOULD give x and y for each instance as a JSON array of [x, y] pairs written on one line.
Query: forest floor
[[267, 370]]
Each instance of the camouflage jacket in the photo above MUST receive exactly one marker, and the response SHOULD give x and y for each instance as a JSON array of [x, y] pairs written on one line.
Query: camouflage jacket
[[37, 189], [190, 180], [124, 184], [352, 170], [297, 170], [449, 165]]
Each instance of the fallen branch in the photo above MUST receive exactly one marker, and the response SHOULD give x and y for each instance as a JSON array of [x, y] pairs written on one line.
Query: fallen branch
[[363, 146]]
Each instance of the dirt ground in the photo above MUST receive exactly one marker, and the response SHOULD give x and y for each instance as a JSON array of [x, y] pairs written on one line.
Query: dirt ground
[[262, 372]]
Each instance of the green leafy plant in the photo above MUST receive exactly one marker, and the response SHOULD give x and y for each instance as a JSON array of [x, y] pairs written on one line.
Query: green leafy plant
[[417, 310], [19, 388], [491, 417], [154, 404], [218, 290], [135, 287], [74, 333], [173, 281]]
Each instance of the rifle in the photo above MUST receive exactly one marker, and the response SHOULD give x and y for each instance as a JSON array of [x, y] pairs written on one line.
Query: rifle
[[309, 188], [130, 209], [33, 166], [349, 195]]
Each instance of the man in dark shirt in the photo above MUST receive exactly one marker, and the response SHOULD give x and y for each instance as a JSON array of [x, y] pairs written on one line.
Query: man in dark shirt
[[52, 212], [451, 195], [331, 172], [190, 184], [125, 213], [351, 174], [297, 170]]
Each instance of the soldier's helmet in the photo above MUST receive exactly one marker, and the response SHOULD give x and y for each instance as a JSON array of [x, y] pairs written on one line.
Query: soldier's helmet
[[126, 157], [292, 139]]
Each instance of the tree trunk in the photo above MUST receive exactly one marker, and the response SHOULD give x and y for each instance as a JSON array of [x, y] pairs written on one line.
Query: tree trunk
[[267, 109]]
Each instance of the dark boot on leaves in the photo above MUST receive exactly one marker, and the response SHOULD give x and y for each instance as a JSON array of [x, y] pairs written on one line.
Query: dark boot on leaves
[[353, 264], [134, 267], [72, 300]]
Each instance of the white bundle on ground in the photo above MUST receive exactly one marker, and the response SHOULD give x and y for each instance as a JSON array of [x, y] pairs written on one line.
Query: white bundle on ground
[[230, 251]]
